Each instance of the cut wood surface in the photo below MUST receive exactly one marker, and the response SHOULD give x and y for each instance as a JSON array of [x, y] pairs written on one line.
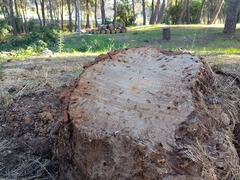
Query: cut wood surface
[[137, 114]]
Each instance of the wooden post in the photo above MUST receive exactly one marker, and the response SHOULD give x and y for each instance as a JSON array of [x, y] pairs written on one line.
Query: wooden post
[[166, 34]]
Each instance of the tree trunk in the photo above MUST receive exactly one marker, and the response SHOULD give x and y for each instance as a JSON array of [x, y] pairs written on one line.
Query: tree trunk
[[160, 14], [103, 11], [152, 13], [185, 5], [144, 12], [133, 7], [199, 14], [51, 11], [76, 16], [61, 12], [38, 14], [43, 12], [87, 9], [114, 11], [232, 17], [24, 13], [69, 15], [216, 12], [95, 13], [12, 19]]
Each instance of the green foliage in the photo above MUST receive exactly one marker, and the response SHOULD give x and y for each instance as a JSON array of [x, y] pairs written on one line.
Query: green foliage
[[4, 29], [124, 13], [60, 41], [174, 10]]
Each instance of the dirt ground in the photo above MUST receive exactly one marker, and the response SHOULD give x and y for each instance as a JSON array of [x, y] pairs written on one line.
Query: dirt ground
[[29, 111], [30, 108]]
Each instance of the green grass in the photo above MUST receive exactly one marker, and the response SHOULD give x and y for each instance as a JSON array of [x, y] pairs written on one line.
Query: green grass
[[194, 38], [199, 39]]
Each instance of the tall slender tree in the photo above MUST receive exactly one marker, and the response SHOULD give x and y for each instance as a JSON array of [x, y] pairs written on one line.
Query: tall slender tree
[[216, 12], [38, 14], [51, 11], [144, 12], [200, 11], [103, 11], [160, 14], [42, 2], [114, 11], [95, 13], [87, 10], [69, 15], [12, 19], [183, 11], [232, 17]]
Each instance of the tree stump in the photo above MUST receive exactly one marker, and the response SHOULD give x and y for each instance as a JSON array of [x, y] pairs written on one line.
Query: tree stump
[[166, 34], [145, 113]]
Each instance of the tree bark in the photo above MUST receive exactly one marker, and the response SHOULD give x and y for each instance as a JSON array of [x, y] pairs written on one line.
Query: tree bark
[[216, 12], [160, 14], [12, 19], [61, 12], [95, 13], [51, 11], [133, 7], [232, 17], [69, 15], [156, 11], [103, 11], [199, 14], [185, 5], [87, 10], [152, 13], [38, 14], [144, 12], [24, 12], [114, 11], [43, 12]]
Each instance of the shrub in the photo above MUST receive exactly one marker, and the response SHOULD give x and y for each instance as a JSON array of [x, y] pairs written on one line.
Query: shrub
[[4, 29]]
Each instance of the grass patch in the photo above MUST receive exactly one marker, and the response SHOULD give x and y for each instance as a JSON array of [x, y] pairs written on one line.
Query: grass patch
[[199, 39]]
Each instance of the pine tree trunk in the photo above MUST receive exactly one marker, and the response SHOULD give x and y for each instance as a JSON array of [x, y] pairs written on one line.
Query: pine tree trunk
[[232, 17], [69, 15], [144, 12], [51, 11], [216, 12], [87, 10], [160, 14], [199, 14], [95, 13], [43, 12], [103, 11], [38, 14], [12, 19], [185, 5], [152, 13], [114, 11], [61, 14]]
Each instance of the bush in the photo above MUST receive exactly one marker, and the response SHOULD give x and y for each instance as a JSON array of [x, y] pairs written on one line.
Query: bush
[[4, 29]]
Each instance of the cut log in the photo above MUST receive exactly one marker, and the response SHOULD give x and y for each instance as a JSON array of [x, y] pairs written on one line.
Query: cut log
[[121, 24], [146, 113], [102, 31], [123, 30], [117, 30], [112, 31], [116, 25], [107, 31], [111, 27]]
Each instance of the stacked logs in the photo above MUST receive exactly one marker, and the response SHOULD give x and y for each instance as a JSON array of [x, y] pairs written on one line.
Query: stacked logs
[[118, 27]]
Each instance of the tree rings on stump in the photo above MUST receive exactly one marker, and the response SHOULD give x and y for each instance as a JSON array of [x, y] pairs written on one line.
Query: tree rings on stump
[[145, 113]]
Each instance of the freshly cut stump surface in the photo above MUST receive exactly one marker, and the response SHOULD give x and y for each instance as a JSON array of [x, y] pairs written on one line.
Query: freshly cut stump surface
[[142, 113]]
